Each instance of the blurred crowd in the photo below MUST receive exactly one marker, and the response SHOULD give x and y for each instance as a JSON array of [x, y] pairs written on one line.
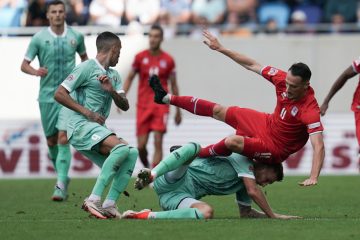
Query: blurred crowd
[[232, 17]]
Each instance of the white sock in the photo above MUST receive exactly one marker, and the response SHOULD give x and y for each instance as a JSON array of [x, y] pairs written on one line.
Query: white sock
[[108, 203], [166, 99], [94, 197], [153, 175]]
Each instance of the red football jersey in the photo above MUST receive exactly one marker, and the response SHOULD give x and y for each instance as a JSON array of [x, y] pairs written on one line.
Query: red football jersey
[[145, 65], [355, 106], [292, 121]]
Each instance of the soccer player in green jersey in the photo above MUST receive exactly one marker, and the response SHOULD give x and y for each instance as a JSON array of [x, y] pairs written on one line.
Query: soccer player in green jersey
[[96, 85], [55, 48], [179, 186]]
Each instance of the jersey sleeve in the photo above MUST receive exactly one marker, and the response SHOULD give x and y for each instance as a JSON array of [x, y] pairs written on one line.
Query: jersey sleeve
[[118, 83], [356, 65], [273, 75], [242, 165], [76, 78], [311, 119], [136, 63], [33, 49], [81, 49]]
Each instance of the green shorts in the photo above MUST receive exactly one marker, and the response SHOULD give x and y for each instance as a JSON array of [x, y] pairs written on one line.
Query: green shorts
[[49, 117], [63, 117], [87, 135], [94, 156], [171, 194]]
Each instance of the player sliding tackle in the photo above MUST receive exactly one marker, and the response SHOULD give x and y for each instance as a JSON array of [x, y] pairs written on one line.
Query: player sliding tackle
[[269, 138], [179, 185]]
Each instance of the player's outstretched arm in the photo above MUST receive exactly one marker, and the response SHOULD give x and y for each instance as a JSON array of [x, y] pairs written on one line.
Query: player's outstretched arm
[[317, 143], [338, 84], [213, 43]]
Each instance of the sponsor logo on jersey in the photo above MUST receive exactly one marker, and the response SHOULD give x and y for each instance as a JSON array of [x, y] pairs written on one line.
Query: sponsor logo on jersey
[[163, 64], [294, 111], [262, 155], [273, 71], [145, 61]]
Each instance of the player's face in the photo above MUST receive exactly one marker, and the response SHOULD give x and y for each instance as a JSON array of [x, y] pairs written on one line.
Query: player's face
[[264, 176], [56, 15], [295, 86], [115, 54], [155, 39]]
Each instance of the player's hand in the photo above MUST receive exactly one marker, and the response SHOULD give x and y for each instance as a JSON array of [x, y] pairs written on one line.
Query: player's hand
[[308, 182], [211, 41], [323, 108], [178, 118], [286, 217], [41, 72], [106, 83], [95, 117]]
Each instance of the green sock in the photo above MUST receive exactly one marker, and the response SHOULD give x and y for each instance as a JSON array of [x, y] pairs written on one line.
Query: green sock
[[63, 160], [177, 158], [53, 151], [122, 177], [182, 213], [111, 165]]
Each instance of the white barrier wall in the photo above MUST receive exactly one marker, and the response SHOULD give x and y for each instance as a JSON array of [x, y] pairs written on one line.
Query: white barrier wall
[[201, 72]]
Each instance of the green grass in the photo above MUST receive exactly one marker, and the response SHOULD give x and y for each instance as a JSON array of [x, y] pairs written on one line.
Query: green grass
[[330, 210]]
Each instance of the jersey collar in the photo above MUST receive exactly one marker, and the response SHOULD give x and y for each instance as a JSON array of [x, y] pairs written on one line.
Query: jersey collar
[[100, 66], [55, 35]]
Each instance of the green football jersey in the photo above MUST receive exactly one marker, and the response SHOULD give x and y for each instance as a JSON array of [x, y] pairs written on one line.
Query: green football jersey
[[220, 175], [84, 81], [57, 54]]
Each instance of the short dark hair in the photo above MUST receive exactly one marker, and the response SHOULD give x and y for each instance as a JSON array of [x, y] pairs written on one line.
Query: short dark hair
[[105, 41], [276, 167], [302, 70], [157, 27], [55, 2]]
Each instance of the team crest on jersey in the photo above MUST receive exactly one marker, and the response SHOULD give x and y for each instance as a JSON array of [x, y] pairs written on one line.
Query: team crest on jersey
[[273, 71], [145, 61], [163, 64], [294, 111], [73, 42]]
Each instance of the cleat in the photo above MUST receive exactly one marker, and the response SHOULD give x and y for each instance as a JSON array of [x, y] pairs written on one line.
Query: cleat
[[159, 91], [112, 212], [143, 214], [59, 195], [94, 208], [143, 179], [173, 148]]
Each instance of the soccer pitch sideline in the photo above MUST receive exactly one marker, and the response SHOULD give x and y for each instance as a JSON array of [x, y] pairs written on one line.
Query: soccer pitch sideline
[[330, 211]]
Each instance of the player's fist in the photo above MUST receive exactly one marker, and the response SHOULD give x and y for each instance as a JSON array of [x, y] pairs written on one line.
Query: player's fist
[[41, 72]]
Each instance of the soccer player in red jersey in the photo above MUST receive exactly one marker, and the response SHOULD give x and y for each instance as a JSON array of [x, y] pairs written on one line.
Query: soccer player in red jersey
[[348, 73], [150, 116], [264, 137]]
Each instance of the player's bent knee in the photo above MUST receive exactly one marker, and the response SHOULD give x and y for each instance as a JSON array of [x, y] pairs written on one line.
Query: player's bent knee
[[218, 111], [235, 143]]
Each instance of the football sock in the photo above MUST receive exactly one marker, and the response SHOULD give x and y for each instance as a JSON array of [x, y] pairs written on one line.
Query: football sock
[[53, 151], [176, 159], [182, 213], [167, 98], [111, 165], [63, 160], [217, 149], [122, 177], [194, 105]]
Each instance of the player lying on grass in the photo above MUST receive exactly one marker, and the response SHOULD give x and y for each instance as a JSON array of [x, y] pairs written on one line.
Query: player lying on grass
[[181, 179]]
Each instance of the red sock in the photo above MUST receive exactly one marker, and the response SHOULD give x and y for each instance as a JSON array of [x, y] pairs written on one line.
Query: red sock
[[194, 105], [217, 149]]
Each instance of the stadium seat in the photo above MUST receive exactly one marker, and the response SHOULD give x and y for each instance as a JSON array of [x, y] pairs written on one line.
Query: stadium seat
[[279, 12], [11, 17], [313, 13]]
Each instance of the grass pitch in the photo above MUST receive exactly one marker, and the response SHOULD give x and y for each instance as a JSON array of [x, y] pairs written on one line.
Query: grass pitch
[[330, 210]]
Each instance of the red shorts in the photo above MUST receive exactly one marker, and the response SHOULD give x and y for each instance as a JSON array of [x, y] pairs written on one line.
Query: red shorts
[[357, 125], [151, 119], [252, 125]]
